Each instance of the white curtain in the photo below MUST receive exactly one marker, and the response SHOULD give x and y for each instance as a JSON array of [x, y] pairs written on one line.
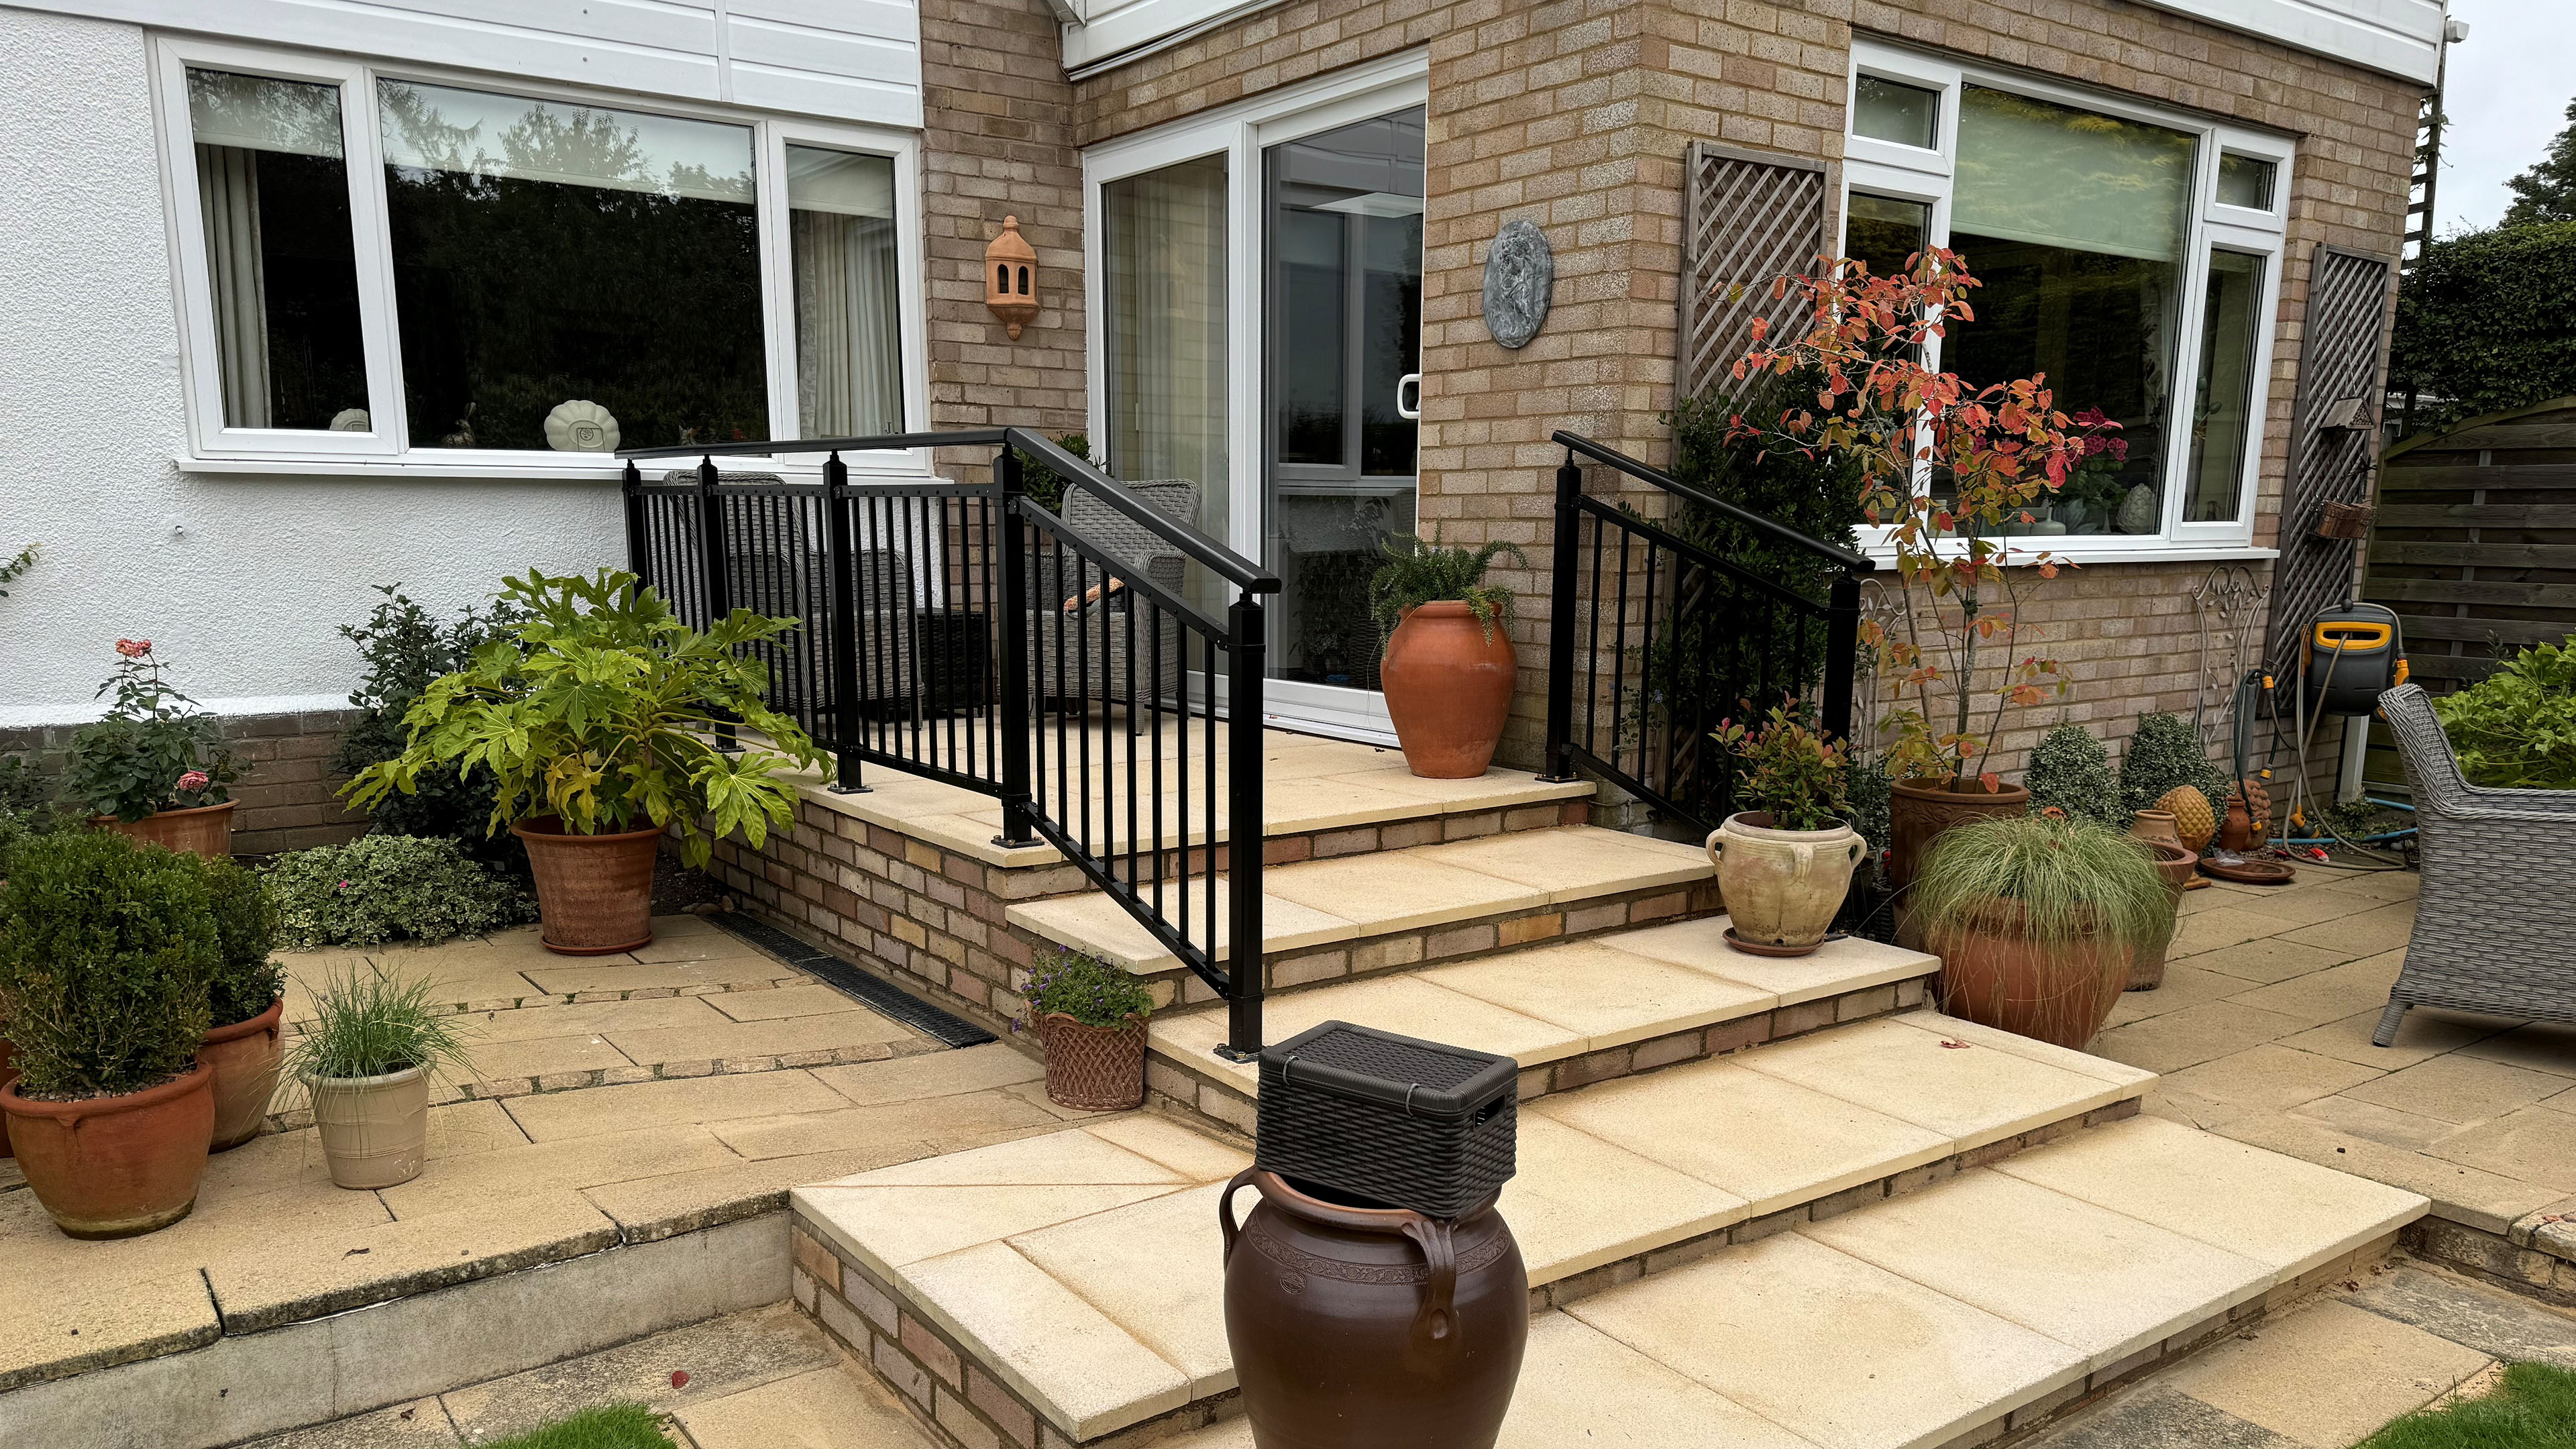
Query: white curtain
[[849, 354], [228, 198], [1164, 252]]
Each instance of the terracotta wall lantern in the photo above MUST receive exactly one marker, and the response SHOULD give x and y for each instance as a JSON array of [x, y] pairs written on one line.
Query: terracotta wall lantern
[[1011, 277]]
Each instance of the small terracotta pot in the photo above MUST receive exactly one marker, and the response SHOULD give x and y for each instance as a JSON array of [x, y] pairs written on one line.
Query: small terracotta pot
[[1448, 689], [374, 1130], [205, 830], [8, 1074], [2156, 827], [1782, 888], [1919, 810], [245, 1057], [594, 892], [2236, 831], [2052, 991], [2176, 864], [1371, 1328], [116, 1167], [1094, 1068]]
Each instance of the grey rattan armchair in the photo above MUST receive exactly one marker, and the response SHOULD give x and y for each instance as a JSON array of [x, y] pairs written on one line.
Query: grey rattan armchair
[[1085, 652], [2495, 927]]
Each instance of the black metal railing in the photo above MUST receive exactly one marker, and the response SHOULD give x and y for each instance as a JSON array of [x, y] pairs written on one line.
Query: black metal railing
[[1655, 635], [1052, 660]]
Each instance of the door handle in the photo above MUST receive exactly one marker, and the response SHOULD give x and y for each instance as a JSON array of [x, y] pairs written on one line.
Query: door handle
[[1414, 381]]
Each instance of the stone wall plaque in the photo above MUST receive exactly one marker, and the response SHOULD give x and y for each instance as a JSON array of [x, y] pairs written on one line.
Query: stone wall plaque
[[1520, 277]]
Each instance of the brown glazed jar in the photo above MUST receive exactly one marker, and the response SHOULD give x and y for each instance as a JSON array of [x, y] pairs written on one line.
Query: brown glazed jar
[[1371, 1328]]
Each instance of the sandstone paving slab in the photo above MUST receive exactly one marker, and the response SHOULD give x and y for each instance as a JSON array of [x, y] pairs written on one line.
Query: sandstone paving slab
[[1196, 1156], [962, 1120], [420, 1424], [2326, 1376], [2287, 1215], [2379, 885], [2460, 1089], [2193, 1035], [2384, 1125], [1408, 1005], [2267, 1078], [2540, 1046], [1580, 1386], [930, 1074], [504, 1176], [2331, 994], [1405, 889], [574, 977], [1077, 1367], [2463, 1194], [2368, 933], [839, 1407], [2028, 1048], [592, 1018], [770, 1005], [893, 1229], [1841, 1353], [2423, 1036], [311, 1278], [1099, 926], [541, 1056], [2154, 1415], [1495, 789], [1761, 1138], [2210, 927], [675, 1102], [2184, 985], [1574, 862], [690, 938], [1156, 1269], [2299, 905], [1578, 1202], [1610, 998], [2260, 961], [1851, 964], [2530, 1144], [2505, 1326], [648, 1209], [2099, 1281], [68, 1326], [733, 1040], [1969, 1092], [721, 1356], [1076, 1156]]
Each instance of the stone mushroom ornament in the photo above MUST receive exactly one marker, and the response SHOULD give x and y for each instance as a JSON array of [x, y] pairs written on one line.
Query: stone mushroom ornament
[[1011, 278], [581, 426]]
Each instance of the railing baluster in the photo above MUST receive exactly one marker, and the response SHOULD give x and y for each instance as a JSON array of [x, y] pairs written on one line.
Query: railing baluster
[[1017, 828], [846, 614], [1559, 763], [1244, 988], [713, 573]]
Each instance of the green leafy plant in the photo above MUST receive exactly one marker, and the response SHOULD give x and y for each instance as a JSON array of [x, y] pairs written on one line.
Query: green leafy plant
[[1797, 774], [405, 649], [601, 709], [15, 568], [2063, 881], [247, 974], [107, 952], [381, 888], [1044, 485], [154, 750], [28, 806], [2533, 1408], [2516, 728], [368, 1023], [1418, 572], [2476, 330], [2069, 769], [2163, 755], [1089, 990]]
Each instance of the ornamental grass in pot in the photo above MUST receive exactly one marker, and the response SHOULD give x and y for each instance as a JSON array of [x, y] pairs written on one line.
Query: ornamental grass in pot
[[597, 715], [245, 1003], [1785, 863], [367, 1059], [1090, 1016], [2036, 920], [154, 767], [1449, 668], [107, 952]]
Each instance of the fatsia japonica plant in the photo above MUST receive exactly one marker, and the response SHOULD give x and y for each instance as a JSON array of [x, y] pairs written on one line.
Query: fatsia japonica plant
[[1947, 466], [601, 707]]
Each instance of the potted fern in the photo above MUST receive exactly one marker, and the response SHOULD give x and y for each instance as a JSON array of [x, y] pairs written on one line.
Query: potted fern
[[597, 716], [1450, 668], [1784, 863], [1090, 1017], [367, 1060]]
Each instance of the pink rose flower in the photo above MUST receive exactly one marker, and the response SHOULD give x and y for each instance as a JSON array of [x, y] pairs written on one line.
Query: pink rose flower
[[133, 648], [194, 781]]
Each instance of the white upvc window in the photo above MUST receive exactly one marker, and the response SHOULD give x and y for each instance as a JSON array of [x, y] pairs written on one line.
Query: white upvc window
[[411, 270], [2132, 254]]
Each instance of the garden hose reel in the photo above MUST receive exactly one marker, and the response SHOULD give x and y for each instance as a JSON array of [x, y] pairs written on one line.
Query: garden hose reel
[[2353, 654]]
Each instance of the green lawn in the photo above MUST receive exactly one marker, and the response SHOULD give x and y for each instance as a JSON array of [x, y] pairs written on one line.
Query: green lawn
[[2534, 1409], [619, 1426]]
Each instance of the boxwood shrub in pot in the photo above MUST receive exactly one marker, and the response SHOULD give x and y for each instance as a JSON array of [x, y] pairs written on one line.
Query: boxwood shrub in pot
[[597, 718], [367, 1059], [108, 950], [245, 1004], [1784, 862], [1090, 1016]]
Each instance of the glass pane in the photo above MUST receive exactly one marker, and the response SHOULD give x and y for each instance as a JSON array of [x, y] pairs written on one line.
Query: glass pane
[[2244, 181], [849, 343], [1163, 262], [1390, 339], [273, 195], [1886, 111], [2032, 171], [1313, 369], [1884, 232], [2222, 419], [550, 256]]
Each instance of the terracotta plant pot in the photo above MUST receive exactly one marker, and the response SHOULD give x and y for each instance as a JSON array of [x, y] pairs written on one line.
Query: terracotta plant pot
[[244, 1056], [206, 830], [2155, 827], [116, 1167], [2177, 864], [2051, 991], [1919, 810], [594, 892], [8, 1074], [375, 1130], [1448, 689], [1094, 1068], [1782, 888], [1371, 1328]]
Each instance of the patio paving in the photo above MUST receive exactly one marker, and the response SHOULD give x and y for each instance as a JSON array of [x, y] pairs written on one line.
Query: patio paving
[[2262, 1033]]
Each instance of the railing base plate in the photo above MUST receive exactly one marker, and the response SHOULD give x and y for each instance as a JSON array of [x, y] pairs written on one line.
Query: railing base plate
[[851, 789], [1235, 1054], [1007, 843]]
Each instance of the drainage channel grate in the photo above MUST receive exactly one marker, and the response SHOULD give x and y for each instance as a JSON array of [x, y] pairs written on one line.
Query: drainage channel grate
[[849, 980]]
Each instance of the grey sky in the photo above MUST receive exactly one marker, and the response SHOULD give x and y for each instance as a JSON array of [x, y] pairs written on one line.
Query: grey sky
[[2506, 94]]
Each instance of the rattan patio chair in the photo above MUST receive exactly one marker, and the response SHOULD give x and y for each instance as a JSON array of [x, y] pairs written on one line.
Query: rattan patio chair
[[2495, 925], [1084, 650]]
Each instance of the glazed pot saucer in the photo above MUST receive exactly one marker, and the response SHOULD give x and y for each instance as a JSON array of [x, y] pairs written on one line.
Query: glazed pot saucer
[[1765, 948], [2251, 872]]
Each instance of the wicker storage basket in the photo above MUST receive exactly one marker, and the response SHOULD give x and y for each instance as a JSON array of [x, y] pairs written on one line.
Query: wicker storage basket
[[1389, 1119], [1094, 1068], [2344, 521]]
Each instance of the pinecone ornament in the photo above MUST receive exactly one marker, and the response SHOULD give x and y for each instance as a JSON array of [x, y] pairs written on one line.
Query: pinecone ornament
[[2193, 819]]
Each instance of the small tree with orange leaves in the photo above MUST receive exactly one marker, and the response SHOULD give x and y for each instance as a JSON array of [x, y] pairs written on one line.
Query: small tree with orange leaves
[[1994, 449]]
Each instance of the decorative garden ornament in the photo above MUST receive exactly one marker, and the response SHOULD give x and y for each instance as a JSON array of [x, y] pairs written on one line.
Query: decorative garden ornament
[[581, 426], [1010, 278], [2137, 511], [1520, 280], [352, 420]]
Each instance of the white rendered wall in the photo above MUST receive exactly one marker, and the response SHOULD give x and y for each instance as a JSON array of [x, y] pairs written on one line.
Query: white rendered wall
[[241, 582]]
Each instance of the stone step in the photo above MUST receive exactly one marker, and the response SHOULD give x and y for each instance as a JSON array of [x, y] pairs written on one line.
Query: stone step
[[1584, 1011], [1355, 914], [1078, 1272], [1979, 1306]]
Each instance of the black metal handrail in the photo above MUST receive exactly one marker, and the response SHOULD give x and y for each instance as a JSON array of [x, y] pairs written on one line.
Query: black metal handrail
[[965, 633], [1720, 625]]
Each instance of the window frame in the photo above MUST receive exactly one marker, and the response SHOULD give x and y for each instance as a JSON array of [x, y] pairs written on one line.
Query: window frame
[[1911, 173], [215, 448]]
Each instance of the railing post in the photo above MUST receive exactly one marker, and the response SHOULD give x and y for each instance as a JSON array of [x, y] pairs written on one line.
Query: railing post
[[1017, 826], [630, 485], [846, 615], [1246, 653], [1559, 764], [712, 576], [1842, 650]]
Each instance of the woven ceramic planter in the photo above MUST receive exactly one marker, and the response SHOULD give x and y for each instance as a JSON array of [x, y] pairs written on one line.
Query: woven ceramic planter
[[1094, 1068]]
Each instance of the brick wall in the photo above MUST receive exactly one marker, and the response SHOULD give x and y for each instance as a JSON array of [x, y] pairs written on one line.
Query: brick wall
[[286, 798]]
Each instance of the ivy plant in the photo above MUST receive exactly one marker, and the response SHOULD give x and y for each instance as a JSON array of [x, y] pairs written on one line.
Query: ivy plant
[[601, 709]]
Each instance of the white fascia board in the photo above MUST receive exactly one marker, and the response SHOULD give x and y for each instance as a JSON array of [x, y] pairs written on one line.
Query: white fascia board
[[1115, 32], [2396, 37]]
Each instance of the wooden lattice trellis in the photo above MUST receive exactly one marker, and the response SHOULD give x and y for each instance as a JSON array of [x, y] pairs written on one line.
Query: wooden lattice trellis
[[2334, 435], [1749, 218]]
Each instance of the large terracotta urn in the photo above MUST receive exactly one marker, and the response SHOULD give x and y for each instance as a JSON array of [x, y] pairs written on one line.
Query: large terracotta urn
[[1919, 810], [115, 1167], [203, 830], [1371, 1328], [594, 892], [1782, 888], [1448, 689], [245, 1058], [2052, 991]]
